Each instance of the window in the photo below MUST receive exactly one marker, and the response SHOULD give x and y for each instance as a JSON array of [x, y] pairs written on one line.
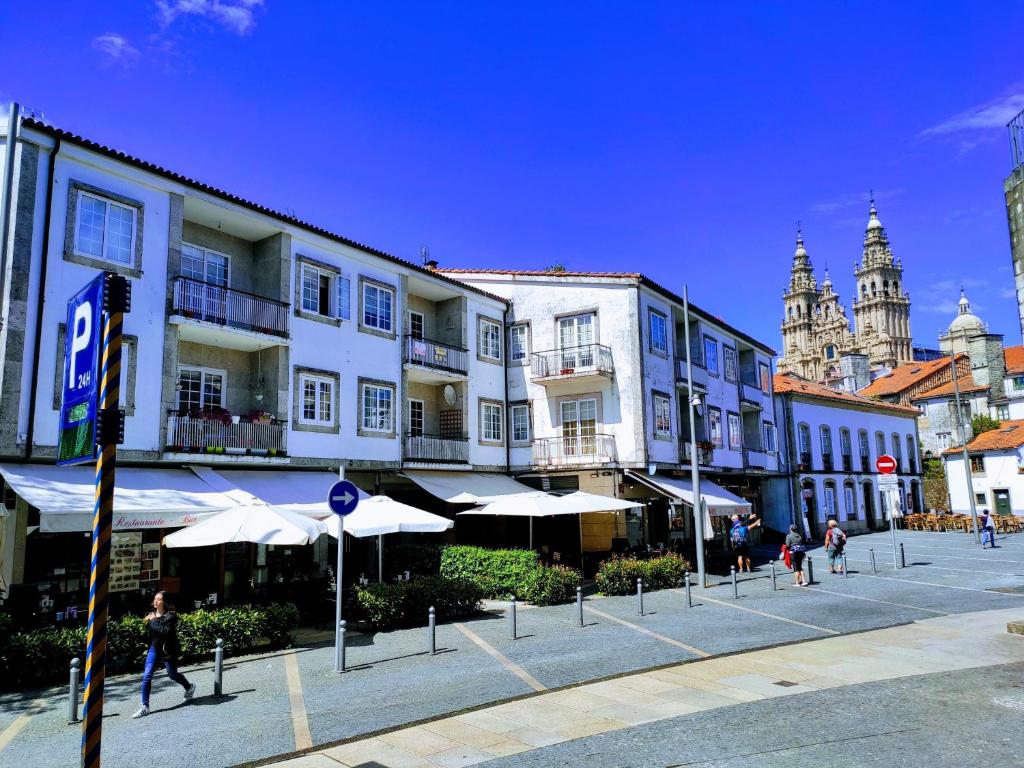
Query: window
[[378, 302], [911, 452], [978, 465], [735, 431], [830, 352], [520, 423], [579, 426], [830, 501], [662, 415], [415, 324], [576, 340], [851, 506], [844, 442], [897, 452], [344, 298], [490, 422], [415, 418], [805, 442], [206, 266], [711, 354], [1018, 382], [729, 355], [518, 342], [979, 498], [768, 438], [944, 439], [862, 438], [715, 426], [1002, 412], [880, 443], [765, 374], [319, 294], [200, 388], [317, 400], [106, 230], [659, 332], [490, 339], [377, 413], [826, 442]]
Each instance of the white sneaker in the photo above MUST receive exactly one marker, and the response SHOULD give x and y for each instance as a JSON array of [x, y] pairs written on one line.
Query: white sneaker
[[190, 692], [143, 711]]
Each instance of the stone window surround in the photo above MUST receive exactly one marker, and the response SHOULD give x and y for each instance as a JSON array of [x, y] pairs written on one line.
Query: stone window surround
[[481, 402], [726, 349], [651, 313], [728, 432], [529, 342], [300, 261], [852, 512], [71, 221], [298, 371], [361, 431], [130, 342], [480, 320], [529, 423], [655, 396], [365, 281]]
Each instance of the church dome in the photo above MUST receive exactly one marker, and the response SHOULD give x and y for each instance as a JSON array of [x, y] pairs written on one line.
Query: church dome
[[873, 222], [965, 321]]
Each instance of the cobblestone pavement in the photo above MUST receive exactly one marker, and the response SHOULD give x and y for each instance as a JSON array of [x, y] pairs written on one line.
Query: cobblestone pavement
[[392, 681]]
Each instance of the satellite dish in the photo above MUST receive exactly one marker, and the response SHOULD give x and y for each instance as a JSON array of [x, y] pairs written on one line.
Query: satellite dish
[[450, 395]]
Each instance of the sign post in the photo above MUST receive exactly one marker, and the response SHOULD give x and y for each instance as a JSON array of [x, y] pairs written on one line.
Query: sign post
[[888, 484], [342, 500], [91, 430]]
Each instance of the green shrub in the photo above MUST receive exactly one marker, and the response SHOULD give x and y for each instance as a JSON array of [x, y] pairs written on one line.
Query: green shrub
[[618, 576], [405, 603], [419, 559], [41, 656], [551, 586], [500, 573]]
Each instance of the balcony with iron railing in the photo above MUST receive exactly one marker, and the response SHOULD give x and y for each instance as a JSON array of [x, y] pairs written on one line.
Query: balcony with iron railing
[[435, 449], [195, 303], [705, 453], [220, 434], [755, 458], [580, 362], [574, 450], [433, 360], [865, 463], [805, 461]]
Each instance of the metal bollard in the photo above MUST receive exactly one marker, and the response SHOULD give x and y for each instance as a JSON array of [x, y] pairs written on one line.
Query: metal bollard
[[73, 691], [689, 596], [579, 604], [735, 586], [771, 564], [846, 567], [810, 570], [432, 631], [903, 557], [218, 668], [512, 619], [874, 568], [341, 642], [640, 597]]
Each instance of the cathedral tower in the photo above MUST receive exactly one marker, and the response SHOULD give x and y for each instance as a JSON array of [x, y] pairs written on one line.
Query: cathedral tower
[[800, 300]]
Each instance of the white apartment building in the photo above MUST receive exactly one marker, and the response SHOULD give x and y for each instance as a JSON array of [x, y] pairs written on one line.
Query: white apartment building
[[831, 443], [997, 471]]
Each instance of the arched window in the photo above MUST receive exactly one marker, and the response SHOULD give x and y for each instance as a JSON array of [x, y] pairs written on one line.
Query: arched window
[[831, 511], [911, 454], [865, 450], [790, 313], [849, 501], [830, 352], [873, 291], [896, 287], [885, 287], [863, 291], [826, 447], [879, 444], [805, 445], [897, 451]]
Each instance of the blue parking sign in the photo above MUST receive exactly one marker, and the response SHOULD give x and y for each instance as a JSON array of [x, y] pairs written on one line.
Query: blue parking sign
[[76, 443]]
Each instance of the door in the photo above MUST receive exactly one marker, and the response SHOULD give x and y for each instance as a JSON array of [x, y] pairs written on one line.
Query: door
[[415, 324], [415, 418], [575, 337], [1002, 497], [579, 427], [810, 507], [869, 506]]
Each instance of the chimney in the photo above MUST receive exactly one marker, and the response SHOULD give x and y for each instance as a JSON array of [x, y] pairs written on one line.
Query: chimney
[[430, 264]]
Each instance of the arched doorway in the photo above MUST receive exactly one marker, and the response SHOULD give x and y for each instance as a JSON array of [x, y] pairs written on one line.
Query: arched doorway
[[870, 514], [915, 503], [809, 506]]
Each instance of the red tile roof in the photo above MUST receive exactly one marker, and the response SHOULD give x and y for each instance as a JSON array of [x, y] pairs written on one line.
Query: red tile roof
[[903, 377], [788, 383], [1014, 357], [1008, 436], [967, 386]]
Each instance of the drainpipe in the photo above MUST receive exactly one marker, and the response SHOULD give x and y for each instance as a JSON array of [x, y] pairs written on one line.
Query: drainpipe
[[794, 499], [508, 415], [34, 387], [13, 125]]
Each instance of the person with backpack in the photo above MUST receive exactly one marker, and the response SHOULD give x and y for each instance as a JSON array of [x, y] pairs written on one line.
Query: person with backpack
[[835, 541], [797, 552], [738, 537], [988, 529]]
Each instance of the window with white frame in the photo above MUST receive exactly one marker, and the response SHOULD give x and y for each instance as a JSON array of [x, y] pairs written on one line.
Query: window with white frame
[[200, 388], [880, 443], [106, 230], [845, 446], [944, 439], [662, 415], [765, 375], [729, 357], [579, 426], [520, 423], [850, 503], [490, 339], [518, 342], [826, 441], [317, 400], [205, 265], [416, 324], [490, 422], [377, 408], [1018, 382], [378, 305], [415, 417], [862, 438], [735, 431], [659, 331], [830, 500], [768, 437], [804, 434], [711, 354], [1002, 412], [715, 426], [344, 304], [319, 292]]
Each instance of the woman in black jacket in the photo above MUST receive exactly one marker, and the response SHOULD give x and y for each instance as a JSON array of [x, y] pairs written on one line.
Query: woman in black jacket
[[163, 646]]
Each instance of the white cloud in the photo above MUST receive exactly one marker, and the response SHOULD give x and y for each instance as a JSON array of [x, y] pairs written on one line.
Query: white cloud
[[853, 200], [233, 15], [941, 297], [982, 118], [116, 48]]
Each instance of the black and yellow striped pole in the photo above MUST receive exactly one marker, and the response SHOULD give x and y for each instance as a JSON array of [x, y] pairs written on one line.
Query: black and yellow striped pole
[[109, 432]]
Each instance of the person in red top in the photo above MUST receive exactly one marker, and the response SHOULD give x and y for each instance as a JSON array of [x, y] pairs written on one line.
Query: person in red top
[[835, 541]]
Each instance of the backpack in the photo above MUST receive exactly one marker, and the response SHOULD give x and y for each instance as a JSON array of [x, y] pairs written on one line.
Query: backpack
[[739, 534], [838, 538]]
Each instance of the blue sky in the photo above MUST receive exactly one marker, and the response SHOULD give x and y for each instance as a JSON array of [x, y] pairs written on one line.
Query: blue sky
[[678, 139]]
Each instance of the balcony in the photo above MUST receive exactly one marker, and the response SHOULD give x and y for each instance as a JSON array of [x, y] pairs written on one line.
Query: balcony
[[705, 453], [805, 461], [755, 458], [224, 317], [226, 436], [584, 363], [700, 374], [579, 450], [434, 362], [751, 396], [434, 449]]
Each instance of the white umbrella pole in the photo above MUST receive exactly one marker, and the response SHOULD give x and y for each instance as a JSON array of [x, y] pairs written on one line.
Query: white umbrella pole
[[380, 559], [338, 580]]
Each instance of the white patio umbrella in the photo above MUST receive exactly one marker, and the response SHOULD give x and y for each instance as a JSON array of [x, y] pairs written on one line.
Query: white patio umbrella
[[536, 504], [255, 522], [379, 515]]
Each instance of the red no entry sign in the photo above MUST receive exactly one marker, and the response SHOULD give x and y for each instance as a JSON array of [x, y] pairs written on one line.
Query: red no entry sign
[[886, 464]]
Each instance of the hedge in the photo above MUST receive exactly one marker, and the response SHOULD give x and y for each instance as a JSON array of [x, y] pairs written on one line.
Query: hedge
[[502, 574], [618, 576], [405, 603], [41, 656]]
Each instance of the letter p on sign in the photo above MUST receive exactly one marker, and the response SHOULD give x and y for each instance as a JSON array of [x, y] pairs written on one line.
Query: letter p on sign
[[81, 334]]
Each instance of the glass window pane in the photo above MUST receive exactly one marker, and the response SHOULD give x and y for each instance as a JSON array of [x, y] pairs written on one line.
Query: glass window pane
[[91, 216], [310, 289]]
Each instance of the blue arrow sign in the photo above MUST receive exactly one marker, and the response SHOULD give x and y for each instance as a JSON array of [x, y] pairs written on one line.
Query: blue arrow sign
[[343, 497]]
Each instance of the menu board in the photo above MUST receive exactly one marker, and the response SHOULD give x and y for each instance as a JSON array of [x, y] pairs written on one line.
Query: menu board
[[149, 568], [125, 561]]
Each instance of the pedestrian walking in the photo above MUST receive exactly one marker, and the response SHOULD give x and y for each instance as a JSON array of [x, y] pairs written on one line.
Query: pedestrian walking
[[835, 541], [740, 544], [163, 646], [797, 552], [988, 529]]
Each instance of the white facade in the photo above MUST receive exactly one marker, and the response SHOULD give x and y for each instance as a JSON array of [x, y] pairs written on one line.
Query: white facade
[[996, 477]]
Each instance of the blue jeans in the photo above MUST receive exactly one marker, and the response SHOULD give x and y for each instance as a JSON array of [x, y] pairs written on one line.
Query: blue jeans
[[990, 534], [147, 674]]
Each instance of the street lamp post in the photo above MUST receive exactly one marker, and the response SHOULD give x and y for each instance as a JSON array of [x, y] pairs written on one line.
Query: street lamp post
[[693, 400], [963, 439]]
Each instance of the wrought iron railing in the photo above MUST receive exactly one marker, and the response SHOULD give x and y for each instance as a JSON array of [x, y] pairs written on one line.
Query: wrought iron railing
[[705, 454], [583, 360], [229, 307], [436, 449], [244, 437], [436, 354], [573, 449]]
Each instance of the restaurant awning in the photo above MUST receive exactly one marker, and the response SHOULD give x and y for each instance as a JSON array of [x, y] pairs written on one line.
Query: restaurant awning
[[466, 487], [717, 500], [290, 490], [143, 498]]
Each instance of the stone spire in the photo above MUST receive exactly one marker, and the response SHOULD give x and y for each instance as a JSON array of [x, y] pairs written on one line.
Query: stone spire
[[801, 275]]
